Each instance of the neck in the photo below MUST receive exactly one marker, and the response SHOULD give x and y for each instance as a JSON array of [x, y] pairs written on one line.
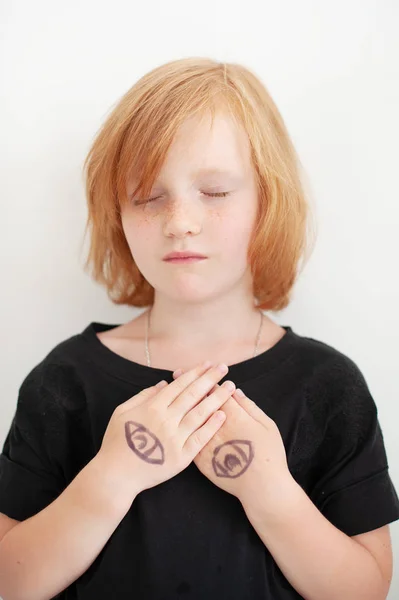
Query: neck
[[223, 322]]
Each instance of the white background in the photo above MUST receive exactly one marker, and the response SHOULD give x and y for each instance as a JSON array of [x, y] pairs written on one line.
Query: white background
[[331, 67]]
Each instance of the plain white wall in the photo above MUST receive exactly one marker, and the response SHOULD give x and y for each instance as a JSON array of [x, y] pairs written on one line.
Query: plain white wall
[[332, 69]]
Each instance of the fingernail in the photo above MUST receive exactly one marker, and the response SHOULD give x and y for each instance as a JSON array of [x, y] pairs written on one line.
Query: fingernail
[[229, 386], [207, 364], [160, 384], [177, 373], [240, 393]]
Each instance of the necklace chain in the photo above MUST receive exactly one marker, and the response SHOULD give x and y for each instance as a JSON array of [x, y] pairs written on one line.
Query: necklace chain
[[147, 351]]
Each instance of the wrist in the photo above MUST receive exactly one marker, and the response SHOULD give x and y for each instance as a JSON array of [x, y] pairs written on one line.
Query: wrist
[[272, 499], [114, 489]]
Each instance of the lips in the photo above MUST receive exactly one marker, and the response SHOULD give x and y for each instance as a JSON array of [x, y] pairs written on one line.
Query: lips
[[183, 255], [185, 261]]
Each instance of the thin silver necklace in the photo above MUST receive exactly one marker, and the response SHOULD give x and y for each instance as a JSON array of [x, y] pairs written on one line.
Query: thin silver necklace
[[147, 351]]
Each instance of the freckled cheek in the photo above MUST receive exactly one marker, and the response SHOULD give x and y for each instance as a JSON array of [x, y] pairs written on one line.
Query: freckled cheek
[[138, 233], [226, 225], [141, 225], [231, 229]]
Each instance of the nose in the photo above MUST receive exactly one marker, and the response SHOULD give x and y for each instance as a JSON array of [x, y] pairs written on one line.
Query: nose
[[182, 218]]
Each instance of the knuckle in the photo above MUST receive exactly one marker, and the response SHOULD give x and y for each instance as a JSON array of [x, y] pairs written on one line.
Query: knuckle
[[191, 393], [272, 423], [119, 411], [153, 411], [167, 430], [179, 384], [200, 411], [189, 421], [180, 387], [196, 438]]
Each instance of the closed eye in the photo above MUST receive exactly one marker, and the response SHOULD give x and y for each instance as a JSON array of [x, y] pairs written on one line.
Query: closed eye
[[214, 194], [218, 194]]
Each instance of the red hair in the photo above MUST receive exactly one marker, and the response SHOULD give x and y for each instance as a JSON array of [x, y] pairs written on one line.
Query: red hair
[[135, 138]]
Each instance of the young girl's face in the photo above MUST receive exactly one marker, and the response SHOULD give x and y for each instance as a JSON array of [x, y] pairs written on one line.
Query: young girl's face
[[180, 213]]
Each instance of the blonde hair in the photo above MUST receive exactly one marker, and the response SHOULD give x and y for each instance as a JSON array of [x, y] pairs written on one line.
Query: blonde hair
[[135, 139]]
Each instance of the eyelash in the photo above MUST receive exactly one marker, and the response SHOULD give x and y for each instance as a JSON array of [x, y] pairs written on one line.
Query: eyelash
[[215, 194]]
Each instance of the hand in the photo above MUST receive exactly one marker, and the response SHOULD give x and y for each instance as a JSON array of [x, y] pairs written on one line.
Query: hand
[[156, 434], [246, 454]]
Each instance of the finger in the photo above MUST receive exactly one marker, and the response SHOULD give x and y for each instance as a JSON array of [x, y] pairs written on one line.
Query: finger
[[177, 387], [215, 387], [143, 396], [199, 439], [196, 391], [197, 416], [249, 406], [179, 372]]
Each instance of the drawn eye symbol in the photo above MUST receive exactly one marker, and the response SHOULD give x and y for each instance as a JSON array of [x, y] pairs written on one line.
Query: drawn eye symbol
[[232, 458], [144, 444]]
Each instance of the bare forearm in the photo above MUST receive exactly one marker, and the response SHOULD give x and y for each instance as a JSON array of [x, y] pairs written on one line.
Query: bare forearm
[[41, 556], [319, 560]]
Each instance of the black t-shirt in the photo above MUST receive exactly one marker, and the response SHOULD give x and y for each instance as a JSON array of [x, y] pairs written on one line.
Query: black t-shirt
[[187, 538]]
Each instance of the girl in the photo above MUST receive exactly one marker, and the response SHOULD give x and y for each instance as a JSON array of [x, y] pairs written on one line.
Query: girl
[[133, 467]]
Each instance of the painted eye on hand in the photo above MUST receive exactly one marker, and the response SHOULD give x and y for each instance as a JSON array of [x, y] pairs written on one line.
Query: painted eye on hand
[[233, 458], [144, 444]]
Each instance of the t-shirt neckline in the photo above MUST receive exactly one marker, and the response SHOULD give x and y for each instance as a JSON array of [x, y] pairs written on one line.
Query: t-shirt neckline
[[134, 372]]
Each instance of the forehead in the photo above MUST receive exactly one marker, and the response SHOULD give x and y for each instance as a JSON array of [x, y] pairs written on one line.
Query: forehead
[[203, 150], [210, 171], [201, 132], [231, 174], [211, 149]]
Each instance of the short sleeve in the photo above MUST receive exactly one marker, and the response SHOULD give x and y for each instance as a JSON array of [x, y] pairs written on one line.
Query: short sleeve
[[31, 474], [354, 490]]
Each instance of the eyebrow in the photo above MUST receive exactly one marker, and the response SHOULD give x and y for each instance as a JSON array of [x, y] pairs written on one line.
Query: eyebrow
[[235, 177], [213, 171]]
